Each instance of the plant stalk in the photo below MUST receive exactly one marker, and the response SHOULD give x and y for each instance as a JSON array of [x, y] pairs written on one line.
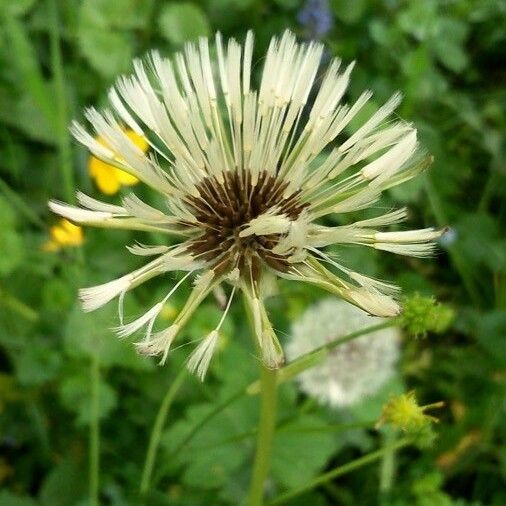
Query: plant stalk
[[94, 431], [156, 432], [339, 471], [387, 468], [261, 465]]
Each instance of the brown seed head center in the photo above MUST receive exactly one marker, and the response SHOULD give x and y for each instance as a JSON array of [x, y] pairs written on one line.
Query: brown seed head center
[[222, 211]]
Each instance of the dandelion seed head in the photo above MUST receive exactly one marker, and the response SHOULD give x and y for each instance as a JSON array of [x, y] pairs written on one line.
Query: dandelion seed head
[[247, 175], [353, 370]]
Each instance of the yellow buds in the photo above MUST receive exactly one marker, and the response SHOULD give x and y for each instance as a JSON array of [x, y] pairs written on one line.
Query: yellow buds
[[403, 412], [63, 235], [108, 178]]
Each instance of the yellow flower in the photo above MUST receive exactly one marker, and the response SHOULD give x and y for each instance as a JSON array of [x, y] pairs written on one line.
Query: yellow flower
[[404, 413], [64, 234], [108, 178]]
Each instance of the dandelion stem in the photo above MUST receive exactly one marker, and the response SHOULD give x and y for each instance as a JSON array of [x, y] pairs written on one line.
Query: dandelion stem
[[94, 430], [297, 430], [339, 471], [286, 373], [261, 466], [315, 356], [156, 432]]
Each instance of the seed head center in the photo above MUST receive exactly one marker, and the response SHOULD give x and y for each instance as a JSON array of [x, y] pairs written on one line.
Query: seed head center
[[223, 209]]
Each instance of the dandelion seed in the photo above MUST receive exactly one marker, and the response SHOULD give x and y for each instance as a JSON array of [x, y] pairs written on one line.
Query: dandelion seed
[[246, 176], [353, 370]]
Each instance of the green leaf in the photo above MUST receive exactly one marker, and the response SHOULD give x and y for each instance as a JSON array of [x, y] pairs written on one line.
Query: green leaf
[[37, 364], [298, 455], [213, 455], [183, 21], [10, 499], [479, 241], [288, 4], [349, 12], [419, 19], [109, 53], [124, 14], [491, 334], [451, 55], [12, 242], [25, 63], [75, 395], [87, 334], [63, 486], [24, 114], [16, 8]]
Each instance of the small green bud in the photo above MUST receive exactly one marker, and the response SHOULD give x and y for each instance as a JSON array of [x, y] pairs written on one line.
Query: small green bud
[[404, 413], [421, 315]]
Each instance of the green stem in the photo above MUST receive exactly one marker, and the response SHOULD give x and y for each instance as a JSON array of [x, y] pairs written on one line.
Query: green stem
[[16, 201], [64, 146], [284, 374], [298, 430], [201, 423], [315, 356], [156, 432], [261, 466], [18, 306], [387, 469], [339, 471], [94, 430], [488, 192]]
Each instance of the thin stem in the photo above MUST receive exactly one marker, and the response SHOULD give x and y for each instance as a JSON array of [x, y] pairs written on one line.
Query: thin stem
[[488, 192], [18, 306], [261, 466], [64, 146], [308, 360], [387, 468], [156, 432], [339, 471], [280, 428], [286, 373], [20, 205], [94, 430], [201, 423]]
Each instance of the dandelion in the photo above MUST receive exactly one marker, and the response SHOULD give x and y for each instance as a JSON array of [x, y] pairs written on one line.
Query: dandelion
[[246, 176], [64, 234], [108, 178], [353, 370]]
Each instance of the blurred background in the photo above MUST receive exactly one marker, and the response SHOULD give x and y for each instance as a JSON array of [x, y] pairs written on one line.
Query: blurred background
[[61, 369]]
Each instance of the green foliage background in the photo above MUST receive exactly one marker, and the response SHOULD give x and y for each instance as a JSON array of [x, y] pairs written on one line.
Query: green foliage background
[[58, 56]]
